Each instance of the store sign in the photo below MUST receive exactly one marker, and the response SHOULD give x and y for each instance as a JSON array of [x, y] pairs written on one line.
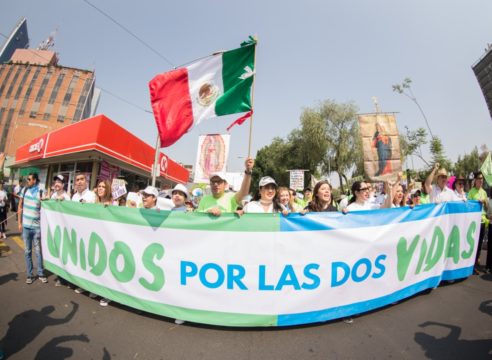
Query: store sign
[[37, 146]]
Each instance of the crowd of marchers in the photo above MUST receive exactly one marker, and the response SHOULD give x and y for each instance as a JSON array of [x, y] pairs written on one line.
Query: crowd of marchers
[[270, 198]]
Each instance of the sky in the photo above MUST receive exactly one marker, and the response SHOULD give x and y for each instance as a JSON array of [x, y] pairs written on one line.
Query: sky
[[308, 51]]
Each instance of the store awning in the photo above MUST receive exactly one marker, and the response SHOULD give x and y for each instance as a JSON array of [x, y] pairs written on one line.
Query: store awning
[[102, 135]]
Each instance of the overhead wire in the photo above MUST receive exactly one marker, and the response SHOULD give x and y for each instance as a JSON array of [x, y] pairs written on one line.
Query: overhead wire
[[130, 32]]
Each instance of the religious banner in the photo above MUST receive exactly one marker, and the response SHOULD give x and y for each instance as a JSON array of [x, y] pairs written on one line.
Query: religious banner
[[212, 154], [259, 269], [380, 145], [296, 179]]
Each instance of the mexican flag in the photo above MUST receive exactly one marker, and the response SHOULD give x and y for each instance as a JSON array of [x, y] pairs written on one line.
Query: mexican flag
[[215, 86]]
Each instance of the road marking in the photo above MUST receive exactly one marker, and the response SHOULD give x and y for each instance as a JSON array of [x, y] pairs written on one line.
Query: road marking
[[19, 242]]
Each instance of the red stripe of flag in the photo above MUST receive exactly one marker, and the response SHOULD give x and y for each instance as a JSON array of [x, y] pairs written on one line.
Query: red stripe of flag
[[171, 103]]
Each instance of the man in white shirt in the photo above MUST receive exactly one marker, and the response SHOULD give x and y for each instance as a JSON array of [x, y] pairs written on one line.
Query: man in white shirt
[[82, 193], [439, 192]]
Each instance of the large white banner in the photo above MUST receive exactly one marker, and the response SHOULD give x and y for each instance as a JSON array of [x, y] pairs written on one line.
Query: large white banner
[[211, 157], [259, 270]]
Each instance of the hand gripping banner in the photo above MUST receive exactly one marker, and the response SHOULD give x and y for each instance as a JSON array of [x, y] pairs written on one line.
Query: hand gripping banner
[[260, 269]]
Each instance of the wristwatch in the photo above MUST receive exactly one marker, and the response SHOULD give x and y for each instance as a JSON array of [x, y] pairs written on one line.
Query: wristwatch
[[248, 172]]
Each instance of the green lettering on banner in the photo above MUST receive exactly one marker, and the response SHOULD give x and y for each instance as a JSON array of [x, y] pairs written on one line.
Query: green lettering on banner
[[54, 241], [436, 249], [83, 262], [453, 246], [470, 239], [153, 251], [69, 247], [404, 255], [95, 241], [128, 271], [423, 252]]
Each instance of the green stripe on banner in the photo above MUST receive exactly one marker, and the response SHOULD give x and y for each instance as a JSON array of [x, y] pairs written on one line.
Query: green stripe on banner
[[167, 219], [237, 90], [171, 311]]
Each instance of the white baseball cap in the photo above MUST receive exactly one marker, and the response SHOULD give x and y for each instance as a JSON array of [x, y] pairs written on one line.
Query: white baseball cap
[[265, 180], [150, 190], [182, 188]]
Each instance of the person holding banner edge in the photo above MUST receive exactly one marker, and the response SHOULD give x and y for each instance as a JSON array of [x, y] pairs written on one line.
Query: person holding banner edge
[[220, 201]]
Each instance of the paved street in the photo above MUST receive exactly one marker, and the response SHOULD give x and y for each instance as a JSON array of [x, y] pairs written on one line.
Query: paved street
[[41, 321]]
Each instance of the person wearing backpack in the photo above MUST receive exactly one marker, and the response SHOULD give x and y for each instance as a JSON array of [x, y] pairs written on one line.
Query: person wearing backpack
[[29, 215]]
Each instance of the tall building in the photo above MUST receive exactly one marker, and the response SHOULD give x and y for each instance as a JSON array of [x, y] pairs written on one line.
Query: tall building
[[18, 39], [37, 95], [483, 72]]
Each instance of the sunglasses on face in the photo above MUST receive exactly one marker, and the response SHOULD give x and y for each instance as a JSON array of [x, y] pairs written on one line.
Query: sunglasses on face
[[364, 189]]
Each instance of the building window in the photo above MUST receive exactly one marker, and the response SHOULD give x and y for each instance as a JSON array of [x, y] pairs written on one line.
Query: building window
[[56, 88], [71, 86], [22, 82], [46, 116], [12, 83], [60, 118], [82, 100], [33, 114], [6, 80], [42, 89], [29, 90]]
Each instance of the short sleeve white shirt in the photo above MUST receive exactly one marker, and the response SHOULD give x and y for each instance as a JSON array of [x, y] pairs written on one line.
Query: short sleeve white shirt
[[87, 195], [438, 196]]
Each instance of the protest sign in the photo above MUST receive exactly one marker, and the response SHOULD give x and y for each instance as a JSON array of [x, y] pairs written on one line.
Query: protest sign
[[296, 179], [260, 269], [211, 156], [118, 188]]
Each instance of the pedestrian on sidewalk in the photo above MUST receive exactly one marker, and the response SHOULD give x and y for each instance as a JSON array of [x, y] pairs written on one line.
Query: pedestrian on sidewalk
[[29, 216], [4, 206]]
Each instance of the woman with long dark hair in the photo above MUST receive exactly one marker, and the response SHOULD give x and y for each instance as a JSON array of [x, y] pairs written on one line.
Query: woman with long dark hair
[[322, 198], [264, 200]]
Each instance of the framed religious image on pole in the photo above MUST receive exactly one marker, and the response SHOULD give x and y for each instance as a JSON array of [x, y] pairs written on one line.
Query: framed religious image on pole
[[380, 146]]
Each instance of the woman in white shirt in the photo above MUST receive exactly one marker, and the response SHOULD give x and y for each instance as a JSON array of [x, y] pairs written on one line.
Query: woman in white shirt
[[264, 201], [360, 190], [459, 187]]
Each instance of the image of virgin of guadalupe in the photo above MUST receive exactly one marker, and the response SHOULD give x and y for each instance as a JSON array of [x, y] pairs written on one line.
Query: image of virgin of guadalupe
[[382, 142]]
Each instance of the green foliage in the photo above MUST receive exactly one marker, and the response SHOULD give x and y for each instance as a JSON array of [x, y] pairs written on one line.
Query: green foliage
[[327, 140], [438, 155], [468, 164]]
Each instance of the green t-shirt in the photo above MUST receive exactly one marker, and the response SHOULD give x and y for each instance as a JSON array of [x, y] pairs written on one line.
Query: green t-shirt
[[480, 195], [226, 203], [424, 198]]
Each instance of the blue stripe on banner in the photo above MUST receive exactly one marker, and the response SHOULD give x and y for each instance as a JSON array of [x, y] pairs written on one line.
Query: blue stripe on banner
[[361, 307], [357, 219]]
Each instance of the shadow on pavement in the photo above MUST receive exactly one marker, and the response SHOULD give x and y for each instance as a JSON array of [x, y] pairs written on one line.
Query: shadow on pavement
[[8, 277], [51, 350], [486, 307], [451, 347], [26, 326], [486, 277]]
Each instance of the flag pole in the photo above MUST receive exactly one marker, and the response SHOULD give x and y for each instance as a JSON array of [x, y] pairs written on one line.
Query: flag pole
[[156, 159], [252, 100]]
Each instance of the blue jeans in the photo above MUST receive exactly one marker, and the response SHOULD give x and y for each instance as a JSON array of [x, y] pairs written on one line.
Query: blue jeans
[[33, 237]]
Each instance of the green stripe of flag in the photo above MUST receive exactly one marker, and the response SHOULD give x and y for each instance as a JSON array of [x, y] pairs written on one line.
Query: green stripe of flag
[[236, 63], [167, 219]]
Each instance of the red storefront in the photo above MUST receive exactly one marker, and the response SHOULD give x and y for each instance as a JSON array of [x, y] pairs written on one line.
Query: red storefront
[[102, 149]]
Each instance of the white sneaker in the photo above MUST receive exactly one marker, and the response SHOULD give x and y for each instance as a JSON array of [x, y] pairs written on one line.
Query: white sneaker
[[104, 302], [79, 290], [179, 322]]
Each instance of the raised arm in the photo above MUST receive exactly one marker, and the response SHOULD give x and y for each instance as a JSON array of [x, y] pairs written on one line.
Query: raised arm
[[430, 178], [244, 190]]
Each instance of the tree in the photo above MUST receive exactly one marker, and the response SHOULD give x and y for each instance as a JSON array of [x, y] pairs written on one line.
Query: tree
[[342, 134], [411, 143], [327, 140], [438, 156], [468, 164]]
